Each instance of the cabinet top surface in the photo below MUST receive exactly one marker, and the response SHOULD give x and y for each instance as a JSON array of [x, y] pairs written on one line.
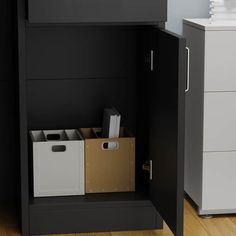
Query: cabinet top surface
[[208, 25]]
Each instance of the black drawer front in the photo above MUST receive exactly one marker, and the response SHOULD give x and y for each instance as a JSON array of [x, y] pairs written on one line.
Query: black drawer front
[[52, 220], [97, 11]]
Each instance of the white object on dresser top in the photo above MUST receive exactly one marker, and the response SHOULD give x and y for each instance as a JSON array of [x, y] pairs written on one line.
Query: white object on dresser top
[[222, 10]]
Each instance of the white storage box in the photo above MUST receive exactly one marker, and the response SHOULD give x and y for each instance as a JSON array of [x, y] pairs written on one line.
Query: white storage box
[[58, 163]]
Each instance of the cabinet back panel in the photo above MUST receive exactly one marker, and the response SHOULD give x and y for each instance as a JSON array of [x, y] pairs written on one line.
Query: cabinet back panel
[[54, 104], [80, 52], [75, 72]]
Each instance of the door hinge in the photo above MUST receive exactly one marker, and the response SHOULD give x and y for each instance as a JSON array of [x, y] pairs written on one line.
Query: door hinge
[[148, 167]]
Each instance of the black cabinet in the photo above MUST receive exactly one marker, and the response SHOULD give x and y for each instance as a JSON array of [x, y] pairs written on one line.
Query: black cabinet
[[69, 72], [96, 11]]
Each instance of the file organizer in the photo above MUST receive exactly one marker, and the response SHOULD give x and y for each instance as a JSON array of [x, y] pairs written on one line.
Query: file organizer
[[58, 163], [109, 169]]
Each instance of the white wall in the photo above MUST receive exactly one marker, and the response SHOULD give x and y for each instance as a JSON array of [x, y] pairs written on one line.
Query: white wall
[[179, 9]]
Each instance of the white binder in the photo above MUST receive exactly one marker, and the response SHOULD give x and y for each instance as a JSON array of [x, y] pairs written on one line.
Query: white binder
[[111, 123]]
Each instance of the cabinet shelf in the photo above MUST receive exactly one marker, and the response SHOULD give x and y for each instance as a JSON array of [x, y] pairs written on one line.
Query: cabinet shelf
[[32, 79], [106, 24], [109, 199]]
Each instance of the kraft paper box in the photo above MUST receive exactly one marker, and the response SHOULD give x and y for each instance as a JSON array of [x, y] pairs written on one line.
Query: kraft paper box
[[110, 163]]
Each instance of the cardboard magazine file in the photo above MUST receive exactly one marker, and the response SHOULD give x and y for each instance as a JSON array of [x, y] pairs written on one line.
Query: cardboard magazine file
[[110, 163], [58, 163]]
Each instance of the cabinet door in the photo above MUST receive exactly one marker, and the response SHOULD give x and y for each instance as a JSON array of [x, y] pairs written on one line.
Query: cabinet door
[[166, 125]]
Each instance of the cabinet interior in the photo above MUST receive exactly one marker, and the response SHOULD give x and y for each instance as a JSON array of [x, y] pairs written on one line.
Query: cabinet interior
[[74, 72]]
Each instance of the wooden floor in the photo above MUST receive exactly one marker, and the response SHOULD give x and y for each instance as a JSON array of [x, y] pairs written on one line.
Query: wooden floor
[[194, 226]]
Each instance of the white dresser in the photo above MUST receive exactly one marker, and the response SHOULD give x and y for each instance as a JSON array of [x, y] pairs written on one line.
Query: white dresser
[[210, 155]]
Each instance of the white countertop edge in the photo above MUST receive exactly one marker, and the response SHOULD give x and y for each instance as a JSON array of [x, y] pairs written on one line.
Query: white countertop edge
[[206, 24]]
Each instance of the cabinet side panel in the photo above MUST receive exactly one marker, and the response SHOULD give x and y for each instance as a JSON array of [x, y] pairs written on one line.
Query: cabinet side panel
[[23, 119], [194, 115]]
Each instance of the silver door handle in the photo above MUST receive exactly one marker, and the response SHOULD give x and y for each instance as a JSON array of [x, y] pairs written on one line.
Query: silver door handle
[[150, 176], [148, 167], [151, 60], [188, 70]]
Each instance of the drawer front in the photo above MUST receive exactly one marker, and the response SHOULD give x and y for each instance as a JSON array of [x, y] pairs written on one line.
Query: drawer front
[[82, 11], [219, 121], [219, 175], [220, 51], [71, 219]]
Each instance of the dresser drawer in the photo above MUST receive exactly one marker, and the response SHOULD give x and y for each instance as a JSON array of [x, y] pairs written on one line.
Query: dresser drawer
[[219, 175], [220, 64], [95, 11], [219, 121]]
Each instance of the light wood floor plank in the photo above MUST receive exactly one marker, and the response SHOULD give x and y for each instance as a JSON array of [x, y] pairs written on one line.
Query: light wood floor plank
[[216, 226], [2, 231], [164, 232], [192, 224], [12, 231], [193, 227], [219, 226], [233, 219]]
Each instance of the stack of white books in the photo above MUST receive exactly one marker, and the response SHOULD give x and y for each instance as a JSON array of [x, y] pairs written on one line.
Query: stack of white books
[[221, 10]]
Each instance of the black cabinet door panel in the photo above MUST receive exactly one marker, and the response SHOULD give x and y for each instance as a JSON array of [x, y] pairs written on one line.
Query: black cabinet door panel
[[166, 125], [96, 11]]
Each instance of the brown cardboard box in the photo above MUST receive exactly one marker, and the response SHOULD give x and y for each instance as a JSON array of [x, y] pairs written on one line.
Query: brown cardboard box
[[109, 169]]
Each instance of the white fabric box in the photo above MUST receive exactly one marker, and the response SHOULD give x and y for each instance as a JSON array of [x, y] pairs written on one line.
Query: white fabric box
[[58, 163]]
